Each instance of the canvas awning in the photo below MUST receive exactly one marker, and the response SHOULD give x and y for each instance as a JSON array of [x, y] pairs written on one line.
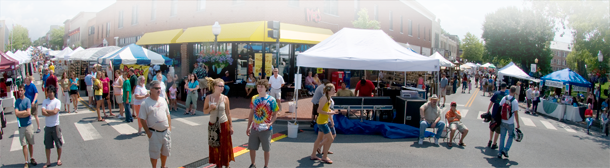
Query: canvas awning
[[160, 37], [513, 70], [443, 61], [255, 32]]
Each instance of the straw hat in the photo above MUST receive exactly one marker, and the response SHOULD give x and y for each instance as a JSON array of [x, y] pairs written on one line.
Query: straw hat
[[433, 97]]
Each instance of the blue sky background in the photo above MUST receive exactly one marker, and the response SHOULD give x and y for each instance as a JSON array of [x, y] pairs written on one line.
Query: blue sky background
[[457, 17]]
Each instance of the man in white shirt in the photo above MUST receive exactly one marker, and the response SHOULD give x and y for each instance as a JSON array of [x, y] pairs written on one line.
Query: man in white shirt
[[154, 116], [508, 126], [52, 132], [529, 97], [276, 82]]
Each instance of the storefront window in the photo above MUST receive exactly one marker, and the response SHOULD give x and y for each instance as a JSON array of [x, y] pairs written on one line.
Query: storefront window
[[245, 60], [218, 61]]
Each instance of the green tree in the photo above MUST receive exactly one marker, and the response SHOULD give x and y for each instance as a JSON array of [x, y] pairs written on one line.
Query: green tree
[[39, 42], [577, 60], [57, 38], [472, 48], [589, 22], [363, 21], [19, 38], [518, 35]]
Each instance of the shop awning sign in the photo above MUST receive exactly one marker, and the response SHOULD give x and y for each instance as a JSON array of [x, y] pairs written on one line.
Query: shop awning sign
[[579, 88], [313, 15], [555, 84]]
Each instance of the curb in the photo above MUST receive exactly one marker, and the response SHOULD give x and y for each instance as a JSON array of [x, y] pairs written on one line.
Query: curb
[[594, 126]]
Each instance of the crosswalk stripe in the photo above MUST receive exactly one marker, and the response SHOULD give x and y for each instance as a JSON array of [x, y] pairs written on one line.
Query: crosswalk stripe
[[87, 131], [187, 121], [548, 125], [16, 144], [528, 121], [121, 127], [479, 116], [463, 113], [567, 128]]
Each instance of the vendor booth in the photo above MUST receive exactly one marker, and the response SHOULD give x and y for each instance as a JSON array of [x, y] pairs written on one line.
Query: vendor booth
[[562, 108], [6, 96], [359, 49]]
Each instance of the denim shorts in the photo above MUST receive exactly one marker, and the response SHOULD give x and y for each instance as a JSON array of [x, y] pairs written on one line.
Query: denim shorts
[[332, 130], [323, 128], [98, 97]]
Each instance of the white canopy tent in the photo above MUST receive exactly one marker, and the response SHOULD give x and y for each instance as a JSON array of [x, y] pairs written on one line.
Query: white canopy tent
[[444, 62], [67, 56], [361, 49], [92, 54], [513, 70], [63, 53]]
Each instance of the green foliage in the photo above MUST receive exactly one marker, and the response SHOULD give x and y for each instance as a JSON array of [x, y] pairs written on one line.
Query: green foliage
[[472, 48], [19, 38], [363, 21], [577, 60], [589, 21], [518, 35], [57, 38], [39, 42]]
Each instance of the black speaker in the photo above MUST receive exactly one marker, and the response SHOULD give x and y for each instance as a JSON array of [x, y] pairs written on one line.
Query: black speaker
[[407, 110]]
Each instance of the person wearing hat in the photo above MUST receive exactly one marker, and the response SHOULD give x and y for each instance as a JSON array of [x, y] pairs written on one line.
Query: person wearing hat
[[228, 81], [453, 117], [430, 118]]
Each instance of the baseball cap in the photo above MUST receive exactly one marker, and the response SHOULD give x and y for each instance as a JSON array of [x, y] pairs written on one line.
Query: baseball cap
[[453, 104]]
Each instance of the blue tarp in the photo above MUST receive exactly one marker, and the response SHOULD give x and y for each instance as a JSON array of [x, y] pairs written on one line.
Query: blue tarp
[[567, 76], [343, 125]]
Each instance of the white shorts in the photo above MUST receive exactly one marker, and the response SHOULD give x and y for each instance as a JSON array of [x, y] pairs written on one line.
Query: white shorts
[[65, 97], [276, 93], [160, 143], [443, 92], [90, 90], [118, 99]]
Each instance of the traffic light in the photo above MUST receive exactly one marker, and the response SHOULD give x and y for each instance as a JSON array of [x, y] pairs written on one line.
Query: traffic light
[[275, 29]]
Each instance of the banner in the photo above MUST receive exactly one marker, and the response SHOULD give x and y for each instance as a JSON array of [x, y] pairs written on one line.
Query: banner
[[139, 70], [258, 64], [555, 84]]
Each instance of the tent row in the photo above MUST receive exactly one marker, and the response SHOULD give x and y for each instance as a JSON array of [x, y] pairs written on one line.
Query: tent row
[[130, 54]]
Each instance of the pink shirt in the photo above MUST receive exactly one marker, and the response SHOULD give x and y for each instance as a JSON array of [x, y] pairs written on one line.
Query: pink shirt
[[309, 80], [105, 82], [172, 92]]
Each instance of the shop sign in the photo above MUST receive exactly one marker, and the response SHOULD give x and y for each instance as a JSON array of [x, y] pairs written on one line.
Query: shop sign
[[313, 15], [553, 84], [258, 63], [579, 88], [139, 70]]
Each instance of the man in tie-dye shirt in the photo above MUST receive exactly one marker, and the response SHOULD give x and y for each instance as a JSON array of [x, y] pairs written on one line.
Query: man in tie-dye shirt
[[263, 113]]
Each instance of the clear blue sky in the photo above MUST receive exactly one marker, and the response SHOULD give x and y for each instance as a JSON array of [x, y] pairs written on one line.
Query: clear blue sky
[[461, 16], [457, 16]]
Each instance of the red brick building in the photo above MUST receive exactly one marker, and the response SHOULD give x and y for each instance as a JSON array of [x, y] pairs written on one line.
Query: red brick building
[[126, 21]]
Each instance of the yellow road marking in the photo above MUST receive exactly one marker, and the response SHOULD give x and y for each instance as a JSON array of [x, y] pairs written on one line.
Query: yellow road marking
[[471, 100]]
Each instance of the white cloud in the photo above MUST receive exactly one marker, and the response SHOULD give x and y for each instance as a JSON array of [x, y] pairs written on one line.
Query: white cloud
[[15, 8], [444, 7], [76, 3], [56, 19]]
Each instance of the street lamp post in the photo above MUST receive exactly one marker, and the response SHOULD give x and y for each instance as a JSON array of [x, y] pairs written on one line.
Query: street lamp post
[[536, 63], [216, 31]]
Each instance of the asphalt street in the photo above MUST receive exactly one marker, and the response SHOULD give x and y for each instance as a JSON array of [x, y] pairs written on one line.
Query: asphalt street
[[88, 143]]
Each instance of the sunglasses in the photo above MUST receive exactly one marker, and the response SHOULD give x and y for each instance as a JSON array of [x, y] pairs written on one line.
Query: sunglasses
[[220, 85]]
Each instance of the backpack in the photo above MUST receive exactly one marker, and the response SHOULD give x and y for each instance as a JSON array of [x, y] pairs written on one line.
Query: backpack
[[507, 110]]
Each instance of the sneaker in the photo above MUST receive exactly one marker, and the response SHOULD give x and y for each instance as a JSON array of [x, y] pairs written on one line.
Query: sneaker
[[499, 155], [119, 116], [489, 144], [505, 154], [436, 141], [421, 142], [494, 146]]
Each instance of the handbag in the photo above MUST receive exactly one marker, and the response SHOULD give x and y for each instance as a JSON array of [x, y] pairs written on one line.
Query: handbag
[[214, 132]]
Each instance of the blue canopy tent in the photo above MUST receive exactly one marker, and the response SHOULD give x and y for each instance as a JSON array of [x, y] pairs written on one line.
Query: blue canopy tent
[[567, 76]]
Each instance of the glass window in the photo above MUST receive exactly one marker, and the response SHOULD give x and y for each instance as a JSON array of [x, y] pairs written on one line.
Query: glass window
[[410, 28], [331, 7], [174, 8], [237, 2], [294, 3], [201, 5], [120, 19], [218, 62], [375, 13], [391, 22], [153, 10], [134, 16]]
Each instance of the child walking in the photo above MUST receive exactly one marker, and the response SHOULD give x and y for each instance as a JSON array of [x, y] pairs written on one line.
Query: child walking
[[172, 97]]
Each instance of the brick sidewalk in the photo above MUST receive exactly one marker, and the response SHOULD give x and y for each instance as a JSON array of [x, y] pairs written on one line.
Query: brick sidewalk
[[240, 108]]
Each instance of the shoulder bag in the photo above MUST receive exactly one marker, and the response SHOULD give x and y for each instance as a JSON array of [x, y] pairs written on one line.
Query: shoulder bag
[[214, 129]]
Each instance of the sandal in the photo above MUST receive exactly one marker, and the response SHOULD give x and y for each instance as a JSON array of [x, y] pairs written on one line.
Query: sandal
[[47, 165], [462, 144], [449, 144], [33, 161], [329, 152], [327, 161], [59, 163]]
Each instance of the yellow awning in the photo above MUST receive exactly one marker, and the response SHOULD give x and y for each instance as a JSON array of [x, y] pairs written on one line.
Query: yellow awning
[[255, 32], [160, 37]]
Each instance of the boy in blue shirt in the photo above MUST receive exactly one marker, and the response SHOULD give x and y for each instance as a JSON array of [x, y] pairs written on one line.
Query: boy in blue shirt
[[23, 106]]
